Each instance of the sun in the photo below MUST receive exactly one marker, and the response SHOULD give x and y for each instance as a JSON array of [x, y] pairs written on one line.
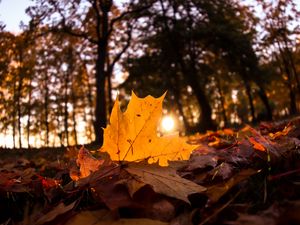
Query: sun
[[168, 123]]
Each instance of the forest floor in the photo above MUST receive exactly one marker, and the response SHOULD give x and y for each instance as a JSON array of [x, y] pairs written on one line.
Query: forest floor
[[250, 176]]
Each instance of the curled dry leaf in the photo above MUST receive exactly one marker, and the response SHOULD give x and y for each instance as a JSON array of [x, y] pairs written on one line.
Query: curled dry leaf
[[132, 135], [284, 132], [87, 164], [256, 145], [258, 141]]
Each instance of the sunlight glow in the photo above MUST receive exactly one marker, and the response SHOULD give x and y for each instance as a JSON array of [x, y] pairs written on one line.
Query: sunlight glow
[[168, 123], [234, 96]]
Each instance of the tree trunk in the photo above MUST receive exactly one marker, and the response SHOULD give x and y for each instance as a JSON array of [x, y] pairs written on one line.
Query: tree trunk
[[74, 117], [29, 113], [250, 99], [263, 96], [66, 113], [91, 106], [206, 122], [14, 115], [293, 106], [5, 133], [20, 86], [87, 127], [46, 108], [109, 85], [292, 63], [59, 115], [100, 112], [19, 109], [176, 92], [74, 128], [222, 100]]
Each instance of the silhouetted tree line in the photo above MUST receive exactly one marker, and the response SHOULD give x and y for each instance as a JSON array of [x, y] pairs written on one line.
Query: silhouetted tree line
[[221, 63]]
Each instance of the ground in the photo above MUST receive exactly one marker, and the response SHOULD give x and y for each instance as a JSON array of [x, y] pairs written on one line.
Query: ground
[[250, 176]]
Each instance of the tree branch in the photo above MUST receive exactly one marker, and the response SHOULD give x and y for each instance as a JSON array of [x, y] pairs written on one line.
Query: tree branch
[[98, 18], [122, 15]]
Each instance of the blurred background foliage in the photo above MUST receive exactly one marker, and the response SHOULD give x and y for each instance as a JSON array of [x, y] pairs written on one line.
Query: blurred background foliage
[[223, 63]]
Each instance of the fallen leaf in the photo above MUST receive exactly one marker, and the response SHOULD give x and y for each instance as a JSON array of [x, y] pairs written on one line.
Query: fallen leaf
[[112, 194], [162, 210], [198, 161], [284, 132], [215, 192], [248, 132], [163, 180], [91, 217], [104, 217], [269, 216], [105, 187], [223, 171], [87, 164], [228, 131], [256, 145], [132, 135], [71, 152], [17, 181], [48, 183], [215, 142], [58, 210]]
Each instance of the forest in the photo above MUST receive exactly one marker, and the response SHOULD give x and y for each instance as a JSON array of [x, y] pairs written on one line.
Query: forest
[[146, 112], [223, 64]]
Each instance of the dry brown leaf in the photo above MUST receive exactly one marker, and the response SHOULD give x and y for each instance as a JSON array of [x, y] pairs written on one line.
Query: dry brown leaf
[[163, 180], [269, 216], [223, 171], [198, 161], [58, 210], [91, 217], [17, 180], [260, 142], [216, 191], [132, 135], [104, 217], [87, 164]]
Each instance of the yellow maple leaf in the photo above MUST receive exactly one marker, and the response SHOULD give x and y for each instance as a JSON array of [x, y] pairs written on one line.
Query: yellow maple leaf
[[132, 135]]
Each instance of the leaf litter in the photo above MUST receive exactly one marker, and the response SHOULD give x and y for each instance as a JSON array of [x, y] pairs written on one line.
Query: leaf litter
[[249, 176]]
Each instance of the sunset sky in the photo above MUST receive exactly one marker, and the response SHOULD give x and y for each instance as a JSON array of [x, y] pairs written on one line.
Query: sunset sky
[[13, 11]]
